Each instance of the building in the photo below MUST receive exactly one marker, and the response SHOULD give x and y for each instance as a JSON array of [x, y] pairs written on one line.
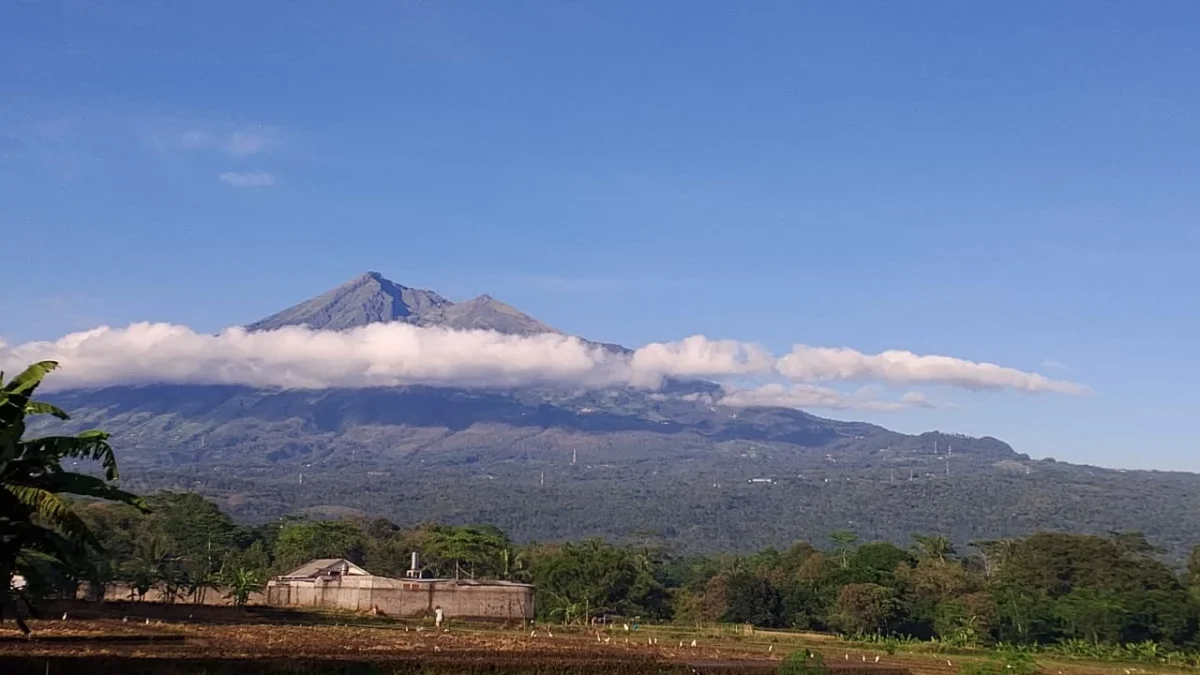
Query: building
[[336, 583]]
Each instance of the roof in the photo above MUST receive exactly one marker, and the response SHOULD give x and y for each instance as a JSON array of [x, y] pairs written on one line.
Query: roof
[[325, 567]]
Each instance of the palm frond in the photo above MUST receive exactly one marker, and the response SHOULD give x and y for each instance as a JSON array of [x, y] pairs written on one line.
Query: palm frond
[[91, 445], [53, 510], [43, 408], [30, 378], [84, 486]]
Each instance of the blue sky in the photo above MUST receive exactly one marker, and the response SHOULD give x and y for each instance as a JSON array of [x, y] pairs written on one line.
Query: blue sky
[[1006, 182]]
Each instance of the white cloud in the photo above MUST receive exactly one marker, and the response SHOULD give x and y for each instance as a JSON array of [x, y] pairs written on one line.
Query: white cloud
[[1054, 364], [804, 396], [699, 357], [814, 364], [396, 354], [241, 179], [375, 355], [246, 142], [243, 142], [193, 140], [915, 399]]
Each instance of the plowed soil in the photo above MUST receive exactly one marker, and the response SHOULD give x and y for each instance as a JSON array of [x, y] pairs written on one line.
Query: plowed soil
[[128, 647]]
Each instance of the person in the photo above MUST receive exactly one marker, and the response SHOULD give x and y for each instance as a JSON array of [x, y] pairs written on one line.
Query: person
[[438, 616]]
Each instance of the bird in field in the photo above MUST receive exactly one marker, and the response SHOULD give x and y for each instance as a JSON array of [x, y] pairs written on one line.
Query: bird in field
[[876, 658]]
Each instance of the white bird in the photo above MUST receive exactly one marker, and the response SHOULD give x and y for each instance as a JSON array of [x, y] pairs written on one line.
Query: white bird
[[64, 616], [607, 640], [533, 633], [770, 648], [437, 648], [693, 643], [876, 658], [550, 632], [864, 658], [147, 621], [949, 664], [655, 640], [598, 637], [649, 641], [681, 644], [626, 626], [847, 657], [124, 619]]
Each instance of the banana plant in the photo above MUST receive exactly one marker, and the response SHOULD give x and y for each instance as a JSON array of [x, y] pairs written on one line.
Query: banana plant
[[37, 526]]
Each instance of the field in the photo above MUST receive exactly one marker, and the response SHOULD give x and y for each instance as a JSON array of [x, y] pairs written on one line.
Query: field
[[348, 644]]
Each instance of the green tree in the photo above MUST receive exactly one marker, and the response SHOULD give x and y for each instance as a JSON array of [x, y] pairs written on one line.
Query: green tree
[[843, 542], [1092, 614], [864, 609], [300, 541], [933, 547], [38, 529], [752, 599], [193, 529], [593, 576], [242, 584], [1193, 572], [477, 550]]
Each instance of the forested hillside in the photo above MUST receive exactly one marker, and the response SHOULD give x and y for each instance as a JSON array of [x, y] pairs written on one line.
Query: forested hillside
[[546, 464]]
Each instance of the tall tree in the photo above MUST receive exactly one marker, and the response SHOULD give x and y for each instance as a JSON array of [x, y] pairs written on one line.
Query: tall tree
[[933, 547], [38, 529], [864, 609], [843, 541]]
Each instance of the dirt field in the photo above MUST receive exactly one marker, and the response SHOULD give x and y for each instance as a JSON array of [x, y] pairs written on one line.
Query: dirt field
[[133, 645]]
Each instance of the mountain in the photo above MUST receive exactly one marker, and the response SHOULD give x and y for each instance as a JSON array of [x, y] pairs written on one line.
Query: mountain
[[371, 298], [548, 463]]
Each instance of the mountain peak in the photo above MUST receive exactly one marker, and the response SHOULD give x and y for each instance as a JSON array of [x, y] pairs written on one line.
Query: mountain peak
[[365, 299], [373, 298], [488, 313]]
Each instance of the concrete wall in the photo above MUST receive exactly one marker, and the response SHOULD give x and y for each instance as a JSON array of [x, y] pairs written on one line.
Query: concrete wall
[[397, 597]]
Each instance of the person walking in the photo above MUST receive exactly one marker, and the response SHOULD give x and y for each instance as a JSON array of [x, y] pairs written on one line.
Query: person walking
[[438, 616]]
